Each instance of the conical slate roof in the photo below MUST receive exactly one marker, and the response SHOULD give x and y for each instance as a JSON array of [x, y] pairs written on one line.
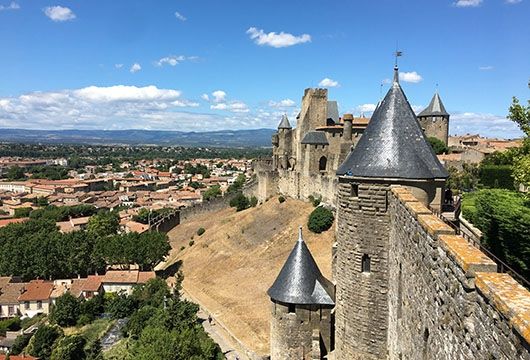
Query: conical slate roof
[[393, 144], [300, 280], [435, 108], [284, 124]]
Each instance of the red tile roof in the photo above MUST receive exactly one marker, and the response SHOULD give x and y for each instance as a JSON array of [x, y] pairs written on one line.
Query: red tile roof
[[18, 357], [37, 290], [92, 283], [5, 222], [145, 276]]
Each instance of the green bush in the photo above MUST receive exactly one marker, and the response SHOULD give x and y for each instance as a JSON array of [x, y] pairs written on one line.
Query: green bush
[[65, 312], [200, 231], [496, 176], [20, 343], [504, 218], [23, 212], [191, 243], [253, 201], [13, 324], [281, 199], [438, 145], [240, 202], [320, 220]]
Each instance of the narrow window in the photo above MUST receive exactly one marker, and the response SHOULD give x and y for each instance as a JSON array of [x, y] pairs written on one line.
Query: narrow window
[[26, 305], [322, 163], [425, 344], [39, 304], [291, 308], [366, 263], [354, 190]]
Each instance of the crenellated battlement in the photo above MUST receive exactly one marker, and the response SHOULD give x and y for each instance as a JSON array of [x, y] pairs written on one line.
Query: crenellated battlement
[[446, 299]]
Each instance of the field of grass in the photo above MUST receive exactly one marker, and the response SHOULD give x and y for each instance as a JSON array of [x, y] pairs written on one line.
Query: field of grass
[[92, 331], [118, 351]]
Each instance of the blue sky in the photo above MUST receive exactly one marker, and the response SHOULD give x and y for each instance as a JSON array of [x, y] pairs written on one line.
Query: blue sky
[[206, 65]]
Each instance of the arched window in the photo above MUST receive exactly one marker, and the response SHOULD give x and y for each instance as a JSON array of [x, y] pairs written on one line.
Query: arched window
[[365, 264], [322, 163]]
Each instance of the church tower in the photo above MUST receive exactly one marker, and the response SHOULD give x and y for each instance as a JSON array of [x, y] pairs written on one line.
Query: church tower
[[301, 303], [392, 150], [434, 120]]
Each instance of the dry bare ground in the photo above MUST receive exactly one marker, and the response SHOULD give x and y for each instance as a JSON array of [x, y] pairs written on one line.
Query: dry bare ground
[[230, 267]]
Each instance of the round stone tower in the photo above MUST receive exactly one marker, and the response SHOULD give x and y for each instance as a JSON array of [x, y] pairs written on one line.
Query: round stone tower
[[435, 120], [301, 304], [392, 150]]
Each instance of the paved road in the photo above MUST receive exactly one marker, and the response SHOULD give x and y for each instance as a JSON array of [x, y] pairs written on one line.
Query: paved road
[[113, 335]]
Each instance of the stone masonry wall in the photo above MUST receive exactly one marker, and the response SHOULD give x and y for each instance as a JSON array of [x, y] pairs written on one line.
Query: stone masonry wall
[[361, 314], [435, 126], [446, 300], [292, 333]]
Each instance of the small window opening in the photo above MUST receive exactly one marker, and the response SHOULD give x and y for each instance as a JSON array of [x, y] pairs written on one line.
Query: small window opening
[[322, 163], [354, 190], [400, 292], [291, 308], [366, 263]]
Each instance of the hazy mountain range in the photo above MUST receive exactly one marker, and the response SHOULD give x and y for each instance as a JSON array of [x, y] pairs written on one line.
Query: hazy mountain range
[[222, 138]]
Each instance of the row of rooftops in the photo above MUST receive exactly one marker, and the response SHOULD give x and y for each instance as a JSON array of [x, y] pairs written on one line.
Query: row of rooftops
[[42, 290]]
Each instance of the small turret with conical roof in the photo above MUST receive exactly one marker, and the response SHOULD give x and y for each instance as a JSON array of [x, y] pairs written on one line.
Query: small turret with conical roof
[[302, 299], [282, 144], [284, 123], [434, 119]]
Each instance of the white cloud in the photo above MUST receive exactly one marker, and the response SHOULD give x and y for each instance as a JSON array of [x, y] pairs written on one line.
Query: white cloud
[[180, 16], [276, 40], [365, 108], [327, 82], [235, 107], [126, 93], [118, 66], [282, 103], [205, 97], [12, 6], [483, 124], [59, 13], [411, 77], [218, 96], [485, 68], [172, 60], [513, 1], [135, 68], [467, 3], [386, 81], [97, 107]]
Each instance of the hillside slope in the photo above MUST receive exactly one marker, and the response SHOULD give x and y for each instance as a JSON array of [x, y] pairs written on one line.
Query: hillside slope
[[230, 267]]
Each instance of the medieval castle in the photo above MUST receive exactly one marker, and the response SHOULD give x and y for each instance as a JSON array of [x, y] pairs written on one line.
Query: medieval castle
[[404, 285]]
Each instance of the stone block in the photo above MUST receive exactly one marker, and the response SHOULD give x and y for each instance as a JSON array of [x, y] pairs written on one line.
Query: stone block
[[416, 208], [509, 298], [434, 226], [468, 257]]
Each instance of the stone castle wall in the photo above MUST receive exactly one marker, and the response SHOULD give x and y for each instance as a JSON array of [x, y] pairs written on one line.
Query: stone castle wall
[[435, 126], [446, 300], [361, 312]]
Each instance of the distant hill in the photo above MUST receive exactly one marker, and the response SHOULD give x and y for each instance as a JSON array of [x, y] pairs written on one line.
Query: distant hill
[[222, 138]]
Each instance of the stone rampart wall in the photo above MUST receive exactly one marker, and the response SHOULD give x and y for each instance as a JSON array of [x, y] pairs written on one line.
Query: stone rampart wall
[[446, 300]]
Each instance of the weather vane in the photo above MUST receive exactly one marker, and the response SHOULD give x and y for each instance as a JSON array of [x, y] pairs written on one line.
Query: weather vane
[[397, 54]]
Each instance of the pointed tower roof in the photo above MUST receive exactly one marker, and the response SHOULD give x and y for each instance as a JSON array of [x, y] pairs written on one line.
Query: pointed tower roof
[[393, 144], [435, 108], [284, 124], [300, 280]]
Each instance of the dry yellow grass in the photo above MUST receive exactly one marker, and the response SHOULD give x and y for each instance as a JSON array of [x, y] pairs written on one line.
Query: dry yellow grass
[[231, 266]]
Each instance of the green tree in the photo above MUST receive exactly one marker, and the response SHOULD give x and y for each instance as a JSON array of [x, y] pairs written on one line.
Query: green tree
[[520, 115], [69, 348], [104, 223], [20, 343], [65, 312], [15, 173], [153, 293], [41, 344], [438, 145], [213, 192], [320, 220], [521, 170], [93, 351], [121, 306], [156, 343], [240, 202]]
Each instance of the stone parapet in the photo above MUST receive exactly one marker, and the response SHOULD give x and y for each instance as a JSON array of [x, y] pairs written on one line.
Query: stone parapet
[[452, 291], [509, 297]]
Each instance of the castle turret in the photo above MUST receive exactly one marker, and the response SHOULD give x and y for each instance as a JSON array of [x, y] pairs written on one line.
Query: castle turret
[[435, 120], [348, 124], [284, 140], [302, 299], [392, 150]]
